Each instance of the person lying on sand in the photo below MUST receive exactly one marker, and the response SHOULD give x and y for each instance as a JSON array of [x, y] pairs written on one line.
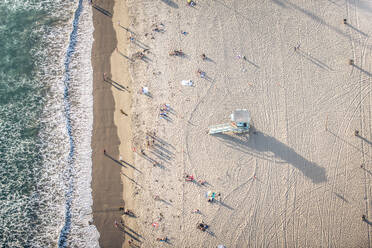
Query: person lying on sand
[[165, 239], [189, 178]]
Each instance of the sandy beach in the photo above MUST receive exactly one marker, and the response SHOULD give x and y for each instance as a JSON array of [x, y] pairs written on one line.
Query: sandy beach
[[107, 188], [299, 178]]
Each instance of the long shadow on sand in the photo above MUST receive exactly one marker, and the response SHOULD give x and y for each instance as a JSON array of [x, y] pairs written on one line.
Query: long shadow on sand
[[170, 3], [259, 144]]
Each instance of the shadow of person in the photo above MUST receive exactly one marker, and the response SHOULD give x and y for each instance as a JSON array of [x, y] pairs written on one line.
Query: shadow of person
[[259, 144], [170, 3], [365, 140]]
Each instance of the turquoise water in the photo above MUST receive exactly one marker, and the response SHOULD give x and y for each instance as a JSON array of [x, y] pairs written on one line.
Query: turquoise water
[[39, 194]]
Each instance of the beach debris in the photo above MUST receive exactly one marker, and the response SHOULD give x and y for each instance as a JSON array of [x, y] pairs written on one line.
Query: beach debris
[[187, 82], [184, 33]]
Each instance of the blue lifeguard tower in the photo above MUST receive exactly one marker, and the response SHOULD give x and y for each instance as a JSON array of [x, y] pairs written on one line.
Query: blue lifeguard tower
[[240, 123]]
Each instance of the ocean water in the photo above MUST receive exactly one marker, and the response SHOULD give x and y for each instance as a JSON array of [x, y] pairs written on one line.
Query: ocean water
[[46, 116]]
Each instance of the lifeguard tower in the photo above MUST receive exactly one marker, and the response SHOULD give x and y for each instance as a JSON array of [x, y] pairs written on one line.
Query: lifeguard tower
[[240, 123]]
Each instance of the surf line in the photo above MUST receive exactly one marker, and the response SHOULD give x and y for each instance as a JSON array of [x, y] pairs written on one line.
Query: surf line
[[68, 172]]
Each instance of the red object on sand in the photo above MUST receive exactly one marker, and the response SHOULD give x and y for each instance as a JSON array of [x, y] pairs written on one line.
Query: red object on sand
[[189, 178]]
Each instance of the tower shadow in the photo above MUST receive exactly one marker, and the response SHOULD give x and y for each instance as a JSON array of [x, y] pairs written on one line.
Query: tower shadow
[[170, 3], [258, 144]]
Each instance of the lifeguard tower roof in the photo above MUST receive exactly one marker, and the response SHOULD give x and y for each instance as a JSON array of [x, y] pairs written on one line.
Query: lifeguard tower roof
[[241, 115]]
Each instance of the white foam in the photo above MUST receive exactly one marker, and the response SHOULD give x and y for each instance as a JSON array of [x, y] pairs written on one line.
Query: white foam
[[81, 87], [51, 186], [81, 233]]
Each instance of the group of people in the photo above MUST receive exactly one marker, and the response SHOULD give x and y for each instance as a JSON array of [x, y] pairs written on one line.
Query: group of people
[[164, 110]]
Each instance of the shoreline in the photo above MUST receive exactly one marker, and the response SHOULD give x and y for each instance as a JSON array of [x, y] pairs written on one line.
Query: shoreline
[[106, 184]]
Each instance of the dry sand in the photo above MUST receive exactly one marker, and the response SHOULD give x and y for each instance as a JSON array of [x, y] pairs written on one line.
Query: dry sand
[[296, 179]]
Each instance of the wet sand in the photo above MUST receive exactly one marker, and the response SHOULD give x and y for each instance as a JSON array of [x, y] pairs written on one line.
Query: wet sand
[[106, 181]]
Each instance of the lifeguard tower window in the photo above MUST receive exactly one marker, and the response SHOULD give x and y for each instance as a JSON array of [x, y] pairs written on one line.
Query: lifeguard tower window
[[241, 117]]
